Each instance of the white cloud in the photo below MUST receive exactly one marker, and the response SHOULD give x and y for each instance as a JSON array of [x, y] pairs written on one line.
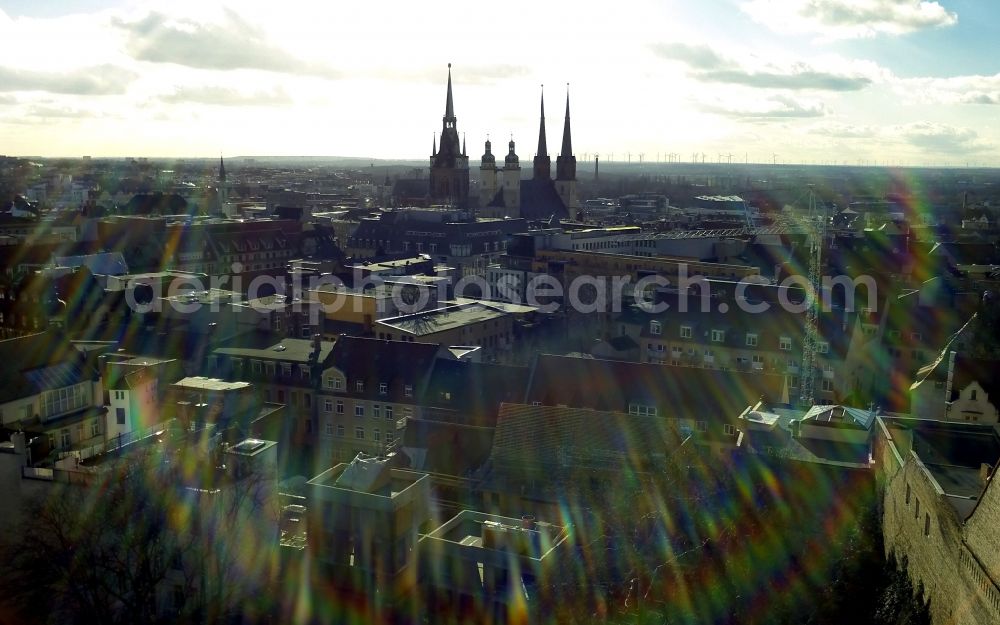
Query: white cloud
[[972, 89], [775, 108], [707, 64], [230, 43], [224, 96], [943, 139], [849, 19], [101, 80]]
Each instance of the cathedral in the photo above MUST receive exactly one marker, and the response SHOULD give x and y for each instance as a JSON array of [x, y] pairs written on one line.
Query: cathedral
[[502, 192]]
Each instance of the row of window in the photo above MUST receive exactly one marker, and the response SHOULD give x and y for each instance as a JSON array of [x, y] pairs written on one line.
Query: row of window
[[337, 384], [359, 433], [331, 406], [719, 336]]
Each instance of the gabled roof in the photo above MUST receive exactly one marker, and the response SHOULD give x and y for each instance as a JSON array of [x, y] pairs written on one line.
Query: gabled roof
[[376, 361], [968, 370], [37, 362], [539, 200], [471, 393], [554, 439], [446, 448], [678, 392]]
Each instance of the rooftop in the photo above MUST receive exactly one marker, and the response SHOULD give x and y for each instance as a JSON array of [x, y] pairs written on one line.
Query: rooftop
[[267, 347], [209, 384], [443, 319]]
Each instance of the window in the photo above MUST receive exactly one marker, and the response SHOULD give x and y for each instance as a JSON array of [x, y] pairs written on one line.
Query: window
[[304, 373], [120, 415], [972, 395], [359, 410], [730, 429], [927, 524], [408, 390], [340, 407], [383, 388], [286, 368], [907, 494], [751, 340], [823, 347], [642, 410], [257, 367], [376, 411], [785, 343], [685, 332], [827, 386], [64, 439], [917, 512], [718, 336], [655, 328], [377, 435], [359, 386], [329, 428], [359, 433], [340, 430], [327, 405], [388, 412], [95, 427]]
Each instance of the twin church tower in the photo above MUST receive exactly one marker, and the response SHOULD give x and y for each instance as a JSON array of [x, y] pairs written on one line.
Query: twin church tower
[[502, 192]]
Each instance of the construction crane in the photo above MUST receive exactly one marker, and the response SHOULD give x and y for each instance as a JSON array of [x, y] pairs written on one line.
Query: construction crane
[[815, 229]]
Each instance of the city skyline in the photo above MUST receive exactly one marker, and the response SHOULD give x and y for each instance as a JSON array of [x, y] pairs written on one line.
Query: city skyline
[[892, 81]]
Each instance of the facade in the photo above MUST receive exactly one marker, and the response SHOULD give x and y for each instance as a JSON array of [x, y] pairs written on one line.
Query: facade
[[363, 520], [368, 388], [51, 390], [940, 507], [283, 371]]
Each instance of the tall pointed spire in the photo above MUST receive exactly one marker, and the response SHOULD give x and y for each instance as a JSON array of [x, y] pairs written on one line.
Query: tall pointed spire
[[449, 106], [566, 162], [543, 165], [543, 149], [567, 142], [222, 169], [434, 144]]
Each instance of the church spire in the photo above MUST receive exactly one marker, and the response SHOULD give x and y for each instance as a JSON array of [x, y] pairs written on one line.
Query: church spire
[[543, 165], [543, 150], [434, 144], [449, 106], [566, 162], [222, 170], [567, 142]]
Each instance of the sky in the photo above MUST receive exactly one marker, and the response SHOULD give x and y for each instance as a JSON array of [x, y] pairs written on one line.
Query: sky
[[900, 82]]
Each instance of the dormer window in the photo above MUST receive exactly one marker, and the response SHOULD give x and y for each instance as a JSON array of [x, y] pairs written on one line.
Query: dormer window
[[718, 336], [785, 343], [655, 328], [359, 386], [751, 340], [686, 332]]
